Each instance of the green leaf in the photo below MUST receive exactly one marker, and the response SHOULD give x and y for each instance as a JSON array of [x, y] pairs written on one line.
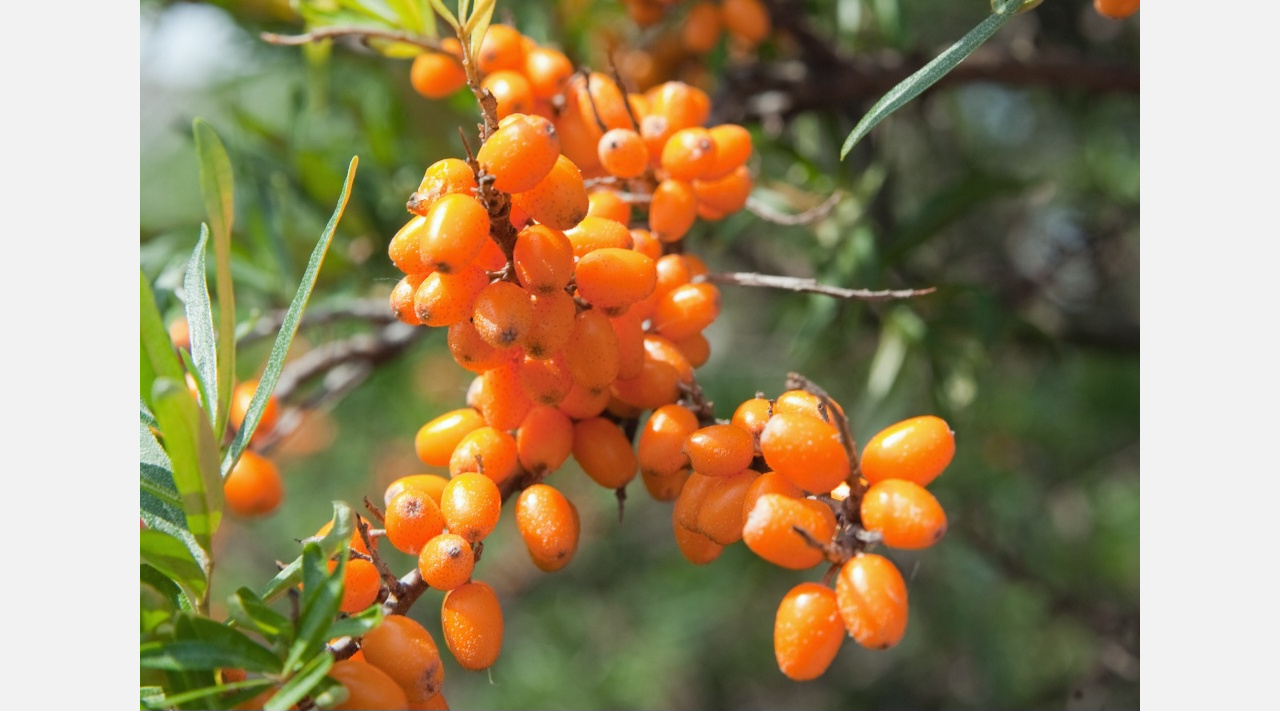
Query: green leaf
[[912, 86], [201, 643], [218, 188], [444, 12], [289, 328], [478, 24], [200, 325], [302, 684], [193, 452], [160, 603], [358, 624], [157, 356], [411, 15], [321, 597], [155, 470], [152, 697], [339, 536], [171, 557], [249, 610], [144, 414], [219, 695]]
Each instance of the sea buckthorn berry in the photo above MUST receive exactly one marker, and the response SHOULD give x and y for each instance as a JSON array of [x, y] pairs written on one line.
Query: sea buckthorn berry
[[472, 621], [252, 487], [429, 484], [437, 439], [486, 450], [747, 20], [607, 204], [724, 196], [733, 149], [434, 703], [904, 513], [694, 492], [646, 12], [664, 350], [559, 200], [672, 210], [584, 403], [403, 248], [701, 29], [553, 322], [472, 352], [402, 298], [873, 601], [544, 440], [241, 396], [406, 651], [695, 547], [594, 233], [446, 561], [578, 137], [917, 449], [546, 381], [645, 243], [548, 71], [683, 105], [1115, 9], [807, 631], [631, 355], [592, 351], [660, 448], [612, 278], [503, 314], [696, 348], [802, 403], [368, 687], [769, 530], [657, 384], [412, 519], [502, 48], [805, 450], [511, 92], [601, 101], [689, 153], [447, 175], [720, 516], [436, 75], [549, 524], [623, 153], [673, 271], [520, 153], [621, 409], [456, 227], [471, 504], [655, 129], [719, 450], [604, 452], [664, 487], [768, 483], [445, 299], [686, 310], [361, 584], [180, 333]]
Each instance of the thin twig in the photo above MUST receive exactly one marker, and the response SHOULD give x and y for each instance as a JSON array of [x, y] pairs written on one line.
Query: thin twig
[[811, 286], [364, 34], [371, 310], [813, 214]]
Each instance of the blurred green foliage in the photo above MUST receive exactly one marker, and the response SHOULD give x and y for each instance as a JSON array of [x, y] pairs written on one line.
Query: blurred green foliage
[[1019, 202]]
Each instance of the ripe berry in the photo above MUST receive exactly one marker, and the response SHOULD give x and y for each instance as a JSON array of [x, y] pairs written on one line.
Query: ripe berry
[[548, 71], [445, 299], [873, 601], [592, 350], [446, 561], [606, 203], [806, 450], [448, 175], [520, 153], [661, 445], [918, 450], [406, 651], [1115, 9], [253, 487], [241, 396], [502, 314], [594, 233], [368, 687], [604, 452], [544, 440], [807, 631], [549, 524], [429, 484], [543, 259], [436, 75], [673, 209], [701, 29], [695, 547], [437, 439], [472, 352], [502, 48], [720, 515], [747, 20], [905, 514], [471, 504], [553, 322], [559, 200], [613, 278], [485, 450], [472, 621], [770, 533], [689, 153], [412, 519], [402, 298], [686, 310], [719, 450], [623, 153], [511, 91], [455, 229]]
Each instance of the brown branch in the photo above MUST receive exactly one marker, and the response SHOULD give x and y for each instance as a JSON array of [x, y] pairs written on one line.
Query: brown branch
[[372, 349], [813, 214], [364, 34], [811, 286], [371, 310]]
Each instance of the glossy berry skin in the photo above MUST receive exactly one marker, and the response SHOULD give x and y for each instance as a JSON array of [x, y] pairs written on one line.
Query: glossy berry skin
[[806, 450], [437, 439], [368, 687], [253, 487], [873, 601], [241, 396], [412, 519], [904, 513], [807, 631], [917, 450], [1115, 9], [472, 621], [436, 75], [446, 561], [360, 585], [429, 484], [520, 153], [471, 504], [407, 652], [769, 530], [719, 450], [548, 522], [559, 200], [604, 452]]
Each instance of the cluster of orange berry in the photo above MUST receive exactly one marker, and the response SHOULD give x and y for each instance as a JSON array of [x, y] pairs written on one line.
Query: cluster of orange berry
[[747, 22]]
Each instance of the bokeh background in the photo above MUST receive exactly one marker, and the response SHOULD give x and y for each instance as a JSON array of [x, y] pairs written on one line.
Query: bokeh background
[[1013, 187]]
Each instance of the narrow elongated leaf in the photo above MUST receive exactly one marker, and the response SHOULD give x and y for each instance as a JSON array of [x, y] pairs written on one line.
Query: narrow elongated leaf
[[339, 535], [157, 356], [478, 24], [288, 328], [218, 188], [171, 557], [193, 452], [221, 693], [200, 325], [358, 624], [161, 598], [154, 465], [410, 15], [321, 597], [152, 697], [144, 414], [444, 11], [912, 86], [249, 610], [301, 684]]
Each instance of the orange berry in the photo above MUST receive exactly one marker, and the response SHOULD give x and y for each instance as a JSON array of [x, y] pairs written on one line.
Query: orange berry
[[252, 487], [356, 542], [429, 484], [802, 403], [604, 452], [436, 75], [1115, 9], [445, 176], [631, 355], [546, 381], [606, 203], [445, 299], [511, 92], [723, 196], [456, 227], [472, 352], [665, 487], [361, 584], [686, 310], [657, 384], [696, 348], [719, 450], [368, 687], [486, 450], [578, 136], [623, 153], [681, 104], [594, 233], [241, 396], [701, 29], [406, 651], [916, 449], [769, 530], [548, 71], [471, 504], [502, 314], [769, 483], [412, 519], [672, 210], [807, 631], [434, 703], [873, 601], [559, 200], [543, 259], [583, 403], [601, 101], [502, 397], [180, 333], [472, 620], [688, 503], [660, 448], [733, 148], [437, 439], [644, 242], [446, 561], [663, 350], [553, 324], [544, 440], [720, 514], [549, 524], [592, 351], [689, 153], [612, 278], [695, 547], [403, 248], [520, 153], [746, 20], [805, 450], [905, 513], [502, 48], [402, 298]]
